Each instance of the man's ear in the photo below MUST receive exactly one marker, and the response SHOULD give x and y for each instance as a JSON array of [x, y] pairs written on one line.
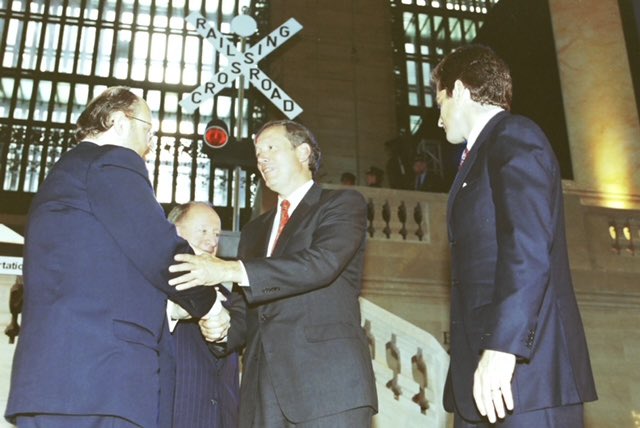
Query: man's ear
[[303, 151], [460, 91], [120, 122]]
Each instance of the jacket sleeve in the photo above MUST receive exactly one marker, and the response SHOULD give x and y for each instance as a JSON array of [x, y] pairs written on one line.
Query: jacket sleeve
[[121, 197], [336, 237], [523, 177]]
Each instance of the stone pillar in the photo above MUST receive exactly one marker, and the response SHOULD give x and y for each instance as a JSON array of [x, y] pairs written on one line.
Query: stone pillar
[[601, 112]]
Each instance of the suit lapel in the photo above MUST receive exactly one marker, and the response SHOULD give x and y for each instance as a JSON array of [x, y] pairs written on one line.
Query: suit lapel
[[470, 160], [309, 200]]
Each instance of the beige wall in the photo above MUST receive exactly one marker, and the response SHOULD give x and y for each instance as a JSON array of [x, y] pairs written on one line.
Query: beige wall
[[601, 112], [411, 280], [339, 70]]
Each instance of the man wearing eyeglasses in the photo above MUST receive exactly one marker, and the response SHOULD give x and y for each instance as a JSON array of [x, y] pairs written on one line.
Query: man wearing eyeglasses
[[92, 349]]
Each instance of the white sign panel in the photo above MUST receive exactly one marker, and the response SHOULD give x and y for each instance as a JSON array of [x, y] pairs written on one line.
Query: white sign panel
[[10, 265], [243, 64]]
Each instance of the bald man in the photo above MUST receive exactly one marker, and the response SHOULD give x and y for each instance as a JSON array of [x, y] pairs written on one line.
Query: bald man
[[207, 384]]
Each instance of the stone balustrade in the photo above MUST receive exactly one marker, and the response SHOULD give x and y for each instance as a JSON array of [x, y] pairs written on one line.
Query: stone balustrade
[[410, 366], [398, 215]]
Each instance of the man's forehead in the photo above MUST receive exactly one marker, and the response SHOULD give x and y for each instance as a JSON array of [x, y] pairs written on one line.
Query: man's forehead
[[202, 213], [271, 134], [142, 109]]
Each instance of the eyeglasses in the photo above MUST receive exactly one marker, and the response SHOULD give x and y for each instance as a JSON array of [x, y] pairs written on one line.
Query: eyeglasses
[[151, 133], [140, 120]]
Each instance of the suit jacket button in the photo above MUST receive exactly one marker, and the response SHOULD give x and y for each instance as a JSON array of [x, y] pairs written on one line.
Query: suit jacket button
[[263, 317]]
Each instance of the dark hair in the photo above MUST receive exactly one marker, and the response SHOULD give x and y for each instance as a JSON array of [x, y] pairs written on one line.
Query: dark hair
[[481, 71], [347, 178], [96, 118], [180, 210], [298, 134]]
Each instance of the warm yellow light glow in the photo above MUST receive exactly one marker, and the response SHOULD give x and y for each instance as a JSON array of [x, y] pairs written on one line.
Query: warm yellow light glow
[[608, 144], [626, 231], [613, 233]]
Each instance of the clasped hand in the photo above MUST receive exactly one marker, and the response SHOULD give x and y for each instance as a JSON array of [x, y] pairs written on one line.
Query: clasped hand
[[492, 384], [215, 328]]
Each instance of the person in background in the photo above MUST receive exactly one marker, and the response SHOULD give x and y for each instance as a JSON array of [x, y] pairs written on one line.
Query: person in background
[[207, 391], [307, 361], [398, 172], [425, 181], [347, 179], [374, 176], [93, 340], [420, 173], [518, 349]]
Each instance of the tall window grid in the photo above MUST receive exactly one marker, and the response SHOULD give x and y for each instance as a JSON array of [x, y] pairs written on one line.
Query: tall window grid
[[56, 55], [424, 31]]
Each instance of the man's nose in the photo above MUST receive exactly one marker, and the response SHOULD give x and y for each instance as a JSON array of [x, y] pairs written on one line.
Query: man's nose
[[212, 238]]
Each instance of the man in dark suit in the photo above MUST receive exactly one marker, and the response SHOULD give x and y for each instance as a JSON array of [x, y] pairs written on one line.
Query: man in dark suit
[[97, 250], [207, 387], [307, 361], [421, 178], [517, 340]]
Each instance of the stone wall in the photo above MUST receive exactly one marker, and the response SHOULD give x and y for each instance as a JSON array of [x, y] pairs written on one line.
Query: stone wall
[[412, 281], [339, 69]]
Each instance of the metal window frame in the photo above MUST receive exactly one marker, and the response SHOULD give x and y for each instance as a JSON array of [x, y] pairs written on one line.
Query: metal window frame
[[51, 136]]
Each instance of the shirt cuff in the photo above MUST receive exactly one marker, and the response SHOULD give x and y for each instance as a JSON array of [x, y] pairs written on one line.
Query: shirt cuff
[[245, 277], [170, 320]]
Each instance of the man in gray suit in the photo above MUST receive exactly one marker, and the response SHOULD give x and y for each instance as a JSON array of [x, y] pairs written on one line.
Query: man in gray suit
[[307, 361]]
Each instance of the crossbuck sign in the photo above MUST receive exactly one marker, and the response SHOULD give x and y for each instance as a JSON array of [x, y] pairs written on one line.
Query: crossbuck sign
[[243, 64]]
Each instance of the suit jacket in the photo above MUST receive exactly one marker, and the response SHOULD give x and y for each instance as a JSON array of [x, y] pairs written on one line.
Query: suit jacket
[[303, 309], [95, 287], [207, 379], [511, 283]]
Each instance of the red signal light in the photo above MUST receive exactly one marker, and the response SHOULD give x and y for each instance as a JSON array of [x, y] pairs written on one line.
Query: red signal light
[[216, 135]]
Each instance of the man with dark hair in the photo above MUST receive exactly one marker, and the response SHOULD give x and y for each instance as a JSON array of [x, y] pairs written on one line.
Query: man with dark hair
[[307, 361], [207, 375], [518, 348], [420, 173], [91, 351], [347, 179]]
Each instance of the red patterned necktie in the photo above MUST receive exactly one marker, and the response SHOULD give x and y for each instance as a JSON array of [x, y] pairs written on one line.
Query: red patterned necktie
[[463, 157], [284, 218]]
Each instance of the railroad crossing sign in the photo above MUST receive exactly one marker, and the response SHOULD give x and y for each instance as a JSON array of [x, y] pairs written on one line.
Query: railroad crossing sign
[[243, 64]]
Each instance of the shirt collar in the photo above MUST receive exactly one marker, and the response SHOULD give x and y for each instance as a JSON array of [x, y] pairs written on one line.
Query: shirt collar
[[480, 123], [296, 196]]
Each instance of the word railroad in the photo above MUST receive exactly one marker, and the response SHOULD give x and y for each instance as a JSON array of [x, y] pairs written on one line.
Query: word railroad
[[243, 64]]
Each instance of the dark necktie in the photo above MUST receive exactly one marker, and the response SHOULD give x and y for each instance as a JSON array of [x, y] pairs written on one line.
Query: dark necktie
[[463, 157], [284, 218]]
